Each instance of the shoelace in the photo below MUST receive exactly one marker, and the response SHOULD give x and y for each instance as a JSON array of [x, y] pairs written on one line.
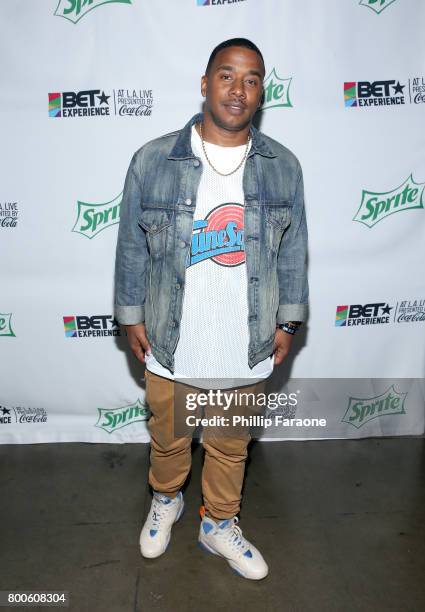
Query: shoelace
[[158, 512], [234, 535]]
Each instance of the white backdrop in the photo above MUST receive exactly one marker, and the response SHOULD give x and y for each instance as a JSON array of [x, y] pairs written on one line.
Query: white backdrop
[[363, 156]]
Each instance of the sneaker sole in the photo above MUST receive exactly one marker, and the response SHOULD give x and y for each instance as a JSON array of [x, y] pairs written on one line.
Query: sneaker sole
[[205, 548], [210, 551]]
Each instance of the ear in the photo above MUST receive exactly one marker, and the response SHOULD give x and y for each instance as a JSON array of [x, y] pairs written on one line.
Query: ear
[[204, 81]]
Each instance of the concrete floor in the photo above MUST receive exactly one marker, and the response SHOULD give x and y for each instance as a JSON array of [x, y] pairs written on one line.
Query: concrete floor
[[341, 524]]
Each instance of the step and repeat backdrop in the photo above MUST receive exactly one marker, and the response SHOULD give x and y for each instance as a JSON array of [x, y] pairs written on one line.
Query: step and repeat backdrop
[[85, 83]]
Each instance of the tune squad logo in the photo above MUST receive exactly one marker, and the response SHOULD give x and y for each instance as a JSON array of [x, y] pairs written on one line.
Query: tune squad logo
[[219, 237]]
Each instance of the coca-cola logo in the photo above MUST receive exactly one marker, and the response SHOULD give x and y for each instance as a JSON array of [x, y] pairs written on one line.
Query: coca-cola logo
[[410, 311], [417, 90], [21, 414], [32, 418], [417, 316], [8, 222], [134, 102], [136, 111], [419, 98], [30, 415], [8, 214]]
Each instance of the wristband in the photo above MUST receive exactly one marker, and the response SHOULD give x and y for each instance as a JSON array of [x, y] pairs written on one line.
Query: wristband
[[288, 327]]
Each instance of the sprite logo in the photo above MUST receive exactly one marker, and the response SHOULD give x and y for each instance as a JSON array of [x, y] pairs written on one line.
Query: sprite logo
[[74, 10], [276, 91], [93, 218], [6, 325], [377, 5], [375, 206], [360, 411], [111, 419]]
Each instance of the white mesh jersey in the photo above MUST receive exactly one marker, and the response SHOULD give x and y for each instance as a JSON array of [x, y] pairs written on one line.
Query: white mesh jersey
[[214, 335]]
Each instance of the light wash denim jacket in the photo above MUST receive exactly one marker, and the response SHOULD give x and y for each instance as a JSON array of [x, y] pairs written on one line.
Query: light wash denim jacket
[[155, 235]]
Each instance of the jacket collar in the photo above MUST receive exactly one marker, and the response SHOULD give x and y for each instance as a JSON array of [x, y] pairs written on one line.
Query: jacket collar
[[182, 148]]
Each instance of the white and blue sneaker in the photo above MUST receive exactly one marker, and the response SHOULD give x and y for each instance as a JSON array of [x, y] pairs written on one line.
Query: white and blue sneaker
[[224, 538], [156, 532]]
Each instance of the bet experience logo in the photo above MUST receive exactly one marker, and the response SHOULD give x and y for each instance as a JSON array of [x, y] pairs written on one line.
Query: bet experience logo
[[95, 102], [357, 314], [384, 93], [6, 325], [82, 326], [376, 5], [376, 205], [276, 91], [74, 10], [362, 410], [93, 218], [377, 93], [111, 419], [405, 311]]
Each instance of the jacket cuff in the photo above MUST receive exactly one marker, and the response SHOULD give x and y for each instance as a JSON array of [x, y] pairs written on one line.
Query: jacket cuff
[[291, 312], [129, 315]]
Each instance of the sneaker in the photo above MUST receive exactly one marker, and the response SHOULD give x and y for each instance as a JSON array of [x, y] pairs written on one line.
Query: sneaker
[[224, 538], [156, 532]]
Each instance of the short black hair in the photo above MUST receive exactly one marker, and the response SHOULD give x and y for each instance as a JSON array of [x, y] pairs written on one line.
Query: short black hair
[[234, 42]]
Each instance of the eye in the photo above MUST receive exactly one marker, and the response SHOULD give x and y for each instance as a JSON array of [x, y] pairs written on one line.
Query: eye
[[252, 82], [225, 77]]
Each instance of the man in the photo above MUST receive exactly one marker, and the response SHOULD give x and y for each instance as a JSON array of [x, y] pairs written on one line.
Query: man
[[214, 214]]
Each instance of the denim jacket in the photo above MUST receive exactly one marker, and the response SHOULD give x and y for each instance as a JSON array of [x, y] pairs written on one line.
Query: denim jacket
[[155, 234]]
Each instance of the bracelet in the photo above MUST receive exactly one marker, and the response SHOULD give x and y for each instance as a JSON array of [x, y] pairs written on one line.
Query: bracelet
[[289, 327]]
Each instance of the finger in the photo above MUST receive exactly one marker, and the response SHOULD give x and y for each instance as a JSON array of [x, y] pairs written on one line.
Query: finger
[[279, 356], [138, 352], [146, 345], [277, 359], [144, 342]]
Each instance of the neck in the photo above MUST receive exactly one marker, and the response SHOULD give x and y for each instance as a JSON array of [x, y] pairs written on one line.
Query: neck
[[215, 134]]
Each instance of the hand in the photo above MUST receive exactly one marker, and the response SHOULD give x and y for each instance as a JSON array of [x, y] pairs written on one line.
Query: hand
[[282, 345], [138, 341]]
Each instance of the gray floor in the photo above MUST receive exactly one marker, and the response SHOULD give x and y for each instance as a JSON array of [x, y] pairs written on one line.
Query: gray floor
[[341, 524]]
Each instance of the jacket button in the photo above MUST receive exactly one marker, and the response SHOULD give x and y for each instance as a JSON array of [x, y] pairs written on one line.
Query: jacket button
[[182, 244], [188, 202], [196, 162], [153, 228], [178, 285]]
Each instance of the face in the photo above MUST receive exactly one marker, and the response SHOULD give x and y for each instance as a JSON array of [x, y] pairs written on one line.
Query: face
[[233, 87]]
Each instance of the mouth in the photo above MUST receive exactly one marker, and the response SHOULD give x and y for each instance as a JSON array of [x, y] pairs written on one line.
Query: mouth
[[235, 108]]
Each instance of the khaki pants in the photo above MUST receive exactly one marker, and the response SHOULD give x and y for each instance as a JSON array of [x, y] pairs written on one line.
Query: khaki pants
[[225, 455]]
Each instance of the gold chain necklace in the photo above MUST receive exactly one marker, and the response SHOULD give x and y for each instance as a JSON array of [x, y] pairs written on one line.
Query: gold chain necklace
[[209, 161]]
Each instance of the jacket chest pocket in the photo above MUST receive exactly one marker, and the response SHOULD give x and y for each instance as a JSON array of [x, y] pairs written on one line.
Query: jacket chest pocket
[[155, 220], [156, 223], [278, 214], [277, 218]]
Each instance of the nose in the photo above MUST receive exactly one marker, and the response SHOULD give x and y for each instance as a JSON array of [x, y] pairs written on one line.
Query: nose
[[238, 88]]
